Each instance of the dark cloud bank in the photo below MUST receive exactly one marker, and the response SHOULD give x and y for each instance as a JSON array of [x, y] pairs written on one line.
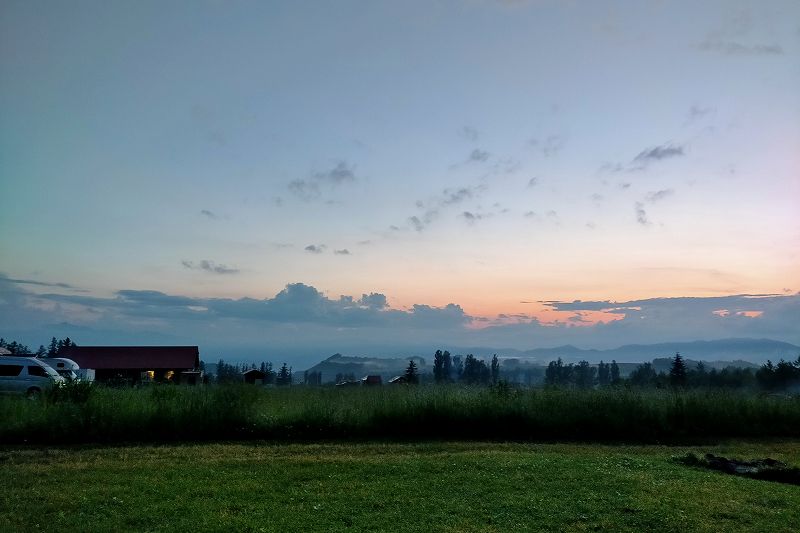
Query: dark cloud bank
[[300, 321]]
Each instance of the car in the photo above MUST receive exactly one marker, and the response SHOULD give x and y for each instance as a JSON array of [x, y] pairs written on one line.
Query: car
[[26, 375]]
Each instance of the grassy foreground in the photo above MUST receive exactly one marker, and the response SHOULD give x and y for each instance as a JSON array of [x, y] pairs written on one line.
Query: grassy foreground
[[389, 487], [300, 414]]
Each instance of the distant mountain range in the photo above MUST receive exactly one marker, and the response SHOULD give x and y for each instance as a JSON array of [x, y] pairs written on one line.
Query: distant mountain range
[[753, 351], [715, 354]]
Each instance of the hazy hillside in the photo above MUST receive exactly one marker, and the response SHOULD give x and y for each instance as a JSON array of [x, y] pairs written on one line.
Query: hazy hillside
[[362, 366]]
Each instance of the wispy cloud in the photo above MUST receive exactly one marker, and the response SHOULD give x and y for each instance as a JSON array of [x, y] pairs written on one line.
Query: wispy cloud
[[641, 214], [656, 196], [734, 48], [315, 248], [658, 153], [455, 196], [697, 113], [342, 172], [343, 251], [471, 217], [549, 146], [646, 157], [735, 37], [209, 214], [478, 155], [311, 188], [469, 133], [304, 189], [431, 209], [209, 266], [42, 283]]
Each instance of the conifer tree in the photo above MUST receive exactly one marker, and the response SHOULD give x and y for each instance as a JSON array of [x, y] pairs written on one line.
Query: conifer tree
[[677, 374], [412, 376]]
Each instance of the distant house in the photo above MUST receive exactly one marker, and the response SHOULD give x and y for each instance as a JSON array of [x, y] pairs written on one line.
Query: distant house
[[398, 380], [254, 376], [371, 380], [176, 364]]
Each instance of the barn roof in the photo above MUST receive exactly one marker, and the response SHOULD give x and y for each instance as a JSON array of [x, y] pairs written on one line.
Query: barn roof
[[134, 357]]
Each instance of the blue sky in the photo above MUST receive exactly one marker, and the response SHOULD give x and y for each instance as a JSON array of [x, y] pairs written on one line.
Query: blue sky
[[479, 154]]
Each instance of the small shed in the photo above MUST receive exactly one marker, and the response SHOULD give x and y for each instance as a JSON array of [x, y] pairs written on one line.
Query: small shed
[[398, 380], [254, 376]]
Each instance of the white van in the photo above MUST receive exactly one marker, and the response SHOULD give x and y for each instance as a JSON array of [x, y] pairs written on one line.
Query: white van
[[26, 375], [66, 368]]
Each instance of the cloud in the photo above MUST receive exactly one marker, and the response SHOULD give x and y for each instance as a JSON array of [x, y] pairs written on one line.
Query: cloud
[[209, 214], [507, 165], [155, 298], [455, 196], [478, 155], [733, 48], [301, 315], [342, 172], [209, 266], [656, 196], [304, 189], [734, 38], [311, 188], [645, 158], [658, 153], [343, 251], [549, 146], [296, 303], [471, 217], [40, 283], [697, 113], [612, 167], [449, 197], [315, 248], [469, 133], [533, 182], [641, 214], [374, 300]]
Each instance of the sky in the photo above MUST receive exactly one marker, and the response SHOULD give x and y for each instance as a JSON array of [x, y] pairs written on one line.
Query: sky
[[367, 177]]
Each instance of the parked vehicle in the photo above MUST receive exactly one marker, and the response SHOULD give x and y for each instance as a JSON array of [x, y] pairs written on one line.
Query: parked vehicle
[[26, 375], [66, 368]]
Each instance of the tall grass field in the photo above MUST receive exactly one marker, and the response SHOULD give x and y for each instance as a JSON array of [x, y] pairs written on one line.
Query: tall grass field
[[301, 414]]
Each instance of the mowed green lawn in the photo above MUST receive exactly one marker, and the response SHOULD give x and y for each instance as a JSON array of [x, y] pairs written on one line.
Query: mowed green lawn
[[389, 487]]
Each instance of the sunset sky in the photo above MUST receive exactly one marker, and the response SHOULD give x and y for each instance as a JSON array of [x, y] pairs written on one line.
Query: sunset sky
[[221, 173]]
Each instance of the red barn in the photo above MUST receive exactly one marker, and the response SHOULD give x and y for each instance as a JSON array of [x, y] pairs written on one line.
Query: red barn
[[178, 364]]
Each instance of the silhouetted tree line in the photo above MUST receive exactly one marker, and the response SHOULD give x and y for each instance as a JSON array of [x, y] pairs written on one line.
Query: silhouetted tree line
[[784, 375], [232, 373], [55, 348], [781, 376], [582, 375], [470, 370]]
